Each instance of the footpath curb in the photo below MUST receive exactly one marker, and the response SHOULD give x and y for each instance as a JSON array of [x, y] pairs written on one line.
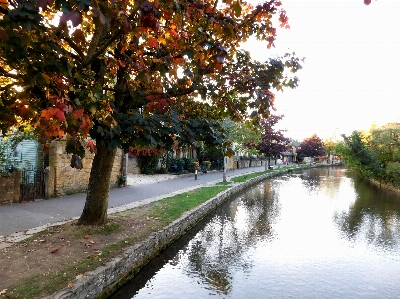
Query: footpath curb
[[102, 281]]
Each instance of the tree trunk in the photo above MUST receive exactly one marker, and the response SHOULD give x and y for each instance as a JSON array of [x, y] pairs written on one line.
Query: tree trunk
[[268, 163], [95, 210]]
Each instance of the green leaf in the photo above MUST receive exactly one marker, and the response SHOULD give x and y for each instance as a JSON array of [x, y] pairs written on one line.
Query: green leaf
[[237, 8]]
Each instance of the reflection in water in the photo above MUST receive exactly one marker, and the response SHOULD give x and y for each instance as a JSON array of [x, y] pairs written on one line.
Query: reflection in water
[[221, 248], [373, 217], [323, 233]]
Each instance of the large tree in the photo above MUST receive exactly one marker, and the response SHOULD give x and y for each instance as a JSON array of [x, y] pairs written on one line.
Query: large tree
[[273, 141], [311, 147], [133, 73]]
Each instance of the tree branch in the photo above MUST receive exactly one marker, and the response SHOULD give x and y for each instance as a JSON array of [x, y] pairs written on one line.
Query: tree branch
[[75, 47], [103, 47], [92, 55]]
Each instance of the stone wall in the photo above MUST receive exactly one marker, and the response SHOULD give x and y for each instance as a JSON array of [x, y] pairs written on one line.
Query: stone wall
[[68, 180], [133, 165], [9, 187], [244, 162]]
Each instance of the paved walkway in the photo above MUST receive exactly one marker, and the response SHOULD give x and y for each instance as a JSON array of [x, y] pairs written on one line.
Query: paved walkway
[[18, 220]]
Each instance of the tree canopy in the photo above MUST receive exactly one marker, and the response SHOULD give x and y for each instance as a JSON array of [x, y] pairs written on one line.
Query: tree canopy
[[241, 135], [134, 73], [311, 147], [374, 154], [272, 142]]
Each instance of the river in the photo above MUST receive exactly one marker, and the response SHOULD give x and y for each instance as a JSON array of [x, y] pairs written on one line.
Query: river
[[321, 233]]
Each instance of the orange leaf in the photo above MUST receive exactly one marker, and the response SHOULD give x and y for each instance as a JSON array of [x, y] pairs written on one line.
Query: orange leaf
[[92, 147], [85, 124], [152, 42], [173, 33], [49, 113], [77, 114], [55, 250]]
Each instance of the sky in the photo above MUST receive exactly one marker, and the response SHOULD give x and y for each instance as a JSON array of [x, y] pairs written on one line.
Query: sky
[[350, 78]]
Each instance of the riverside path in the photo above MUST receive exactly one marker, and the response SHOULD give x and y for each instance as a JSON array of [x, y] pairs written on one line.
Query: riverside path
[[22, 219]]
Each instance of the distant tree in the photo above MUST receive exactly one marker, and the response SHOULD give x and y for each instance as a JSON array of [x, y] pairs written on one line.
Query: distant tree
[[311, 147], [385, 141], [329, 147], [273, 141], [241, 135], [358, 154]]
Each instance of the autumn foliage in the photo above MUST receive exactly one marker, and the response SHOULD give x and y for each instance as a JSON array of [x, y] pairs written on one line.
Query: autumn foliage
[[136, 73], [273, 141]]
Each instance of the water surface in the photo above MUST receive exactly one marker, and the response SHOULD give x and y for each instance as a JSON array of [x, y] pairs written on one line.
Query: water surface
[[323, 233]]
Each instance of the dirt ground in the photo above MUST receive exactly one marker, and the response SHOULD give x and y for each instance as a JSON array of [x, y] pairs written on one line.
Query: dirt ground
[[62, 247]]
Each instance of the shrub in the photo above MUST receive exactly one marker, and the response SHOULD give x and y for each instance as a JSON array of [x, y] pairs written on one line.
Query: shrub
[[207, 165], [148, 164], [189, 166]]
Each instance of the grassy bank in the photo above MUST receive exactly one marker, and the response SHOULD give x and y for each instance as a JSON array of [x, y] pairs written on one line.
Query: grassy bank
[[88, 247]]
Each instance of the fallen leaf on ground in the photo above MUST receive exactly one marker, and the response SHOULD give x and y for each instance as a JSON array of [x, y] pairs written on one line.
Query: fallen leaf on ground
[[3, 292], [55, 250], [79, 276], [70, 285], [87, 237]]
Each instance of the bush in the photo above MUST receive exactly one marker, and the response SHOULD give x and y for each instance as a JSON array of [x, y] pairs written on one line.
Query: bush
[[148, 164], [207, 165], [121, 179], [189, 166]]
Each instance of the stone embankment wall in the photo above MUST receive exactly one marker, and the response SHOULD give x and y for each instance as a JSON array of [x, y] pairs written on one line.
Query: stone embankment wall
[[236, 162], [68, 180], [101, 282], [9, 186], [384, 185]]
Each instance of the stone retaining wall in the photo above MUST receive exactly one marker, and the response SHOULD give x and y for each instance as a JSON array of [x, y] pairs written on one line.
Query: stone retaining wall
[[68, 180], [101, 282], [9, 186]]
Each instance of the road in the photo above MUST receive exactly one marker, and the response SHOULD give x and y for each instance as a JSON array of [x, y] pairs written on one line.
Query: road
[[17, 219]]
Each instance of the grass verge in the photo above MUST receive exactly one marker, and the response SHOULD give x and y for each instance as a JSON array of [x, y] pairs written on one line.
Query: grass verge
[[119, 233]]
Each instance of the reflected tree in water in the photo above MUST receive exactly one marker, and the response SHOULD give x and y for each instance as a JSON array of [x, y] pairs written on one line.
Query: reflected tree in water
[[312, 178], [223, 246], [374, 216]]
